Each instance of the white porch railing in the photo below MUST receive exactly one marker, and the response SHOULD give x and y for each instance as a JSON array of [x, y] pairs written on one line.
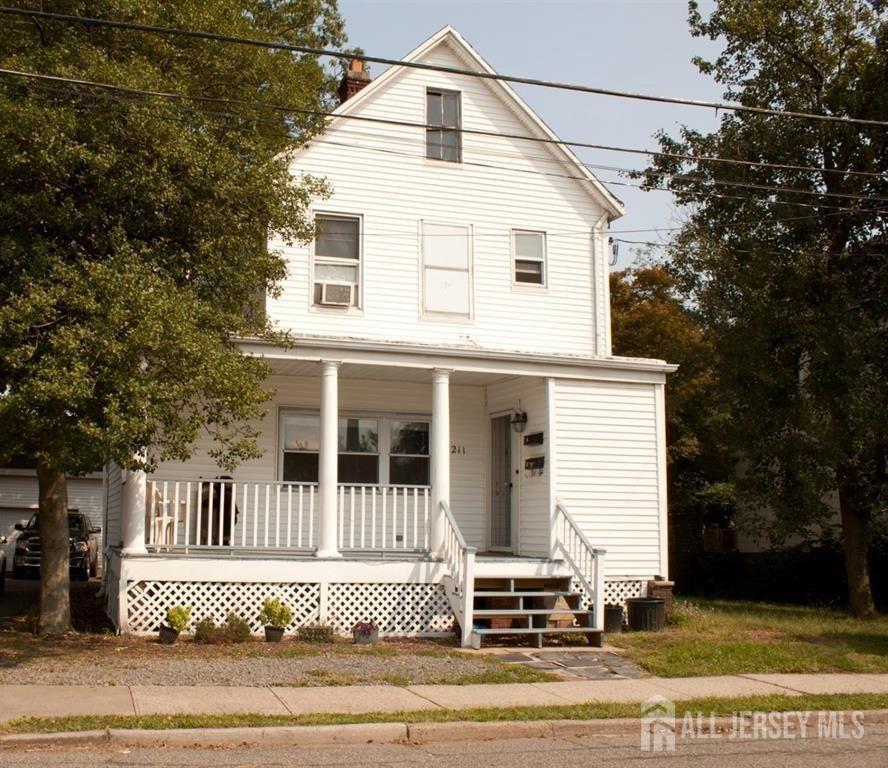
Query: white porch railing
[[460, 561], [229, 514], [586, 561], [384, 517]]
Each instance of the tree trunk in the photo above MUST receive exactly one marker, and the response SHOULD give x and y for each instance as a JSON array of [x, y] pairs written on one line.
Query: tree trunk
[[860, 595], [55, 599]]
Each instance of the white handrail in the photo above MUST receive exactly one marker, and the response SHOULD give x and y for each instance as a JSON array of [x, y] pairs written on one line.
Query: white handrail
[[383, 517], [227, 514], [460, 561], [586, 561]]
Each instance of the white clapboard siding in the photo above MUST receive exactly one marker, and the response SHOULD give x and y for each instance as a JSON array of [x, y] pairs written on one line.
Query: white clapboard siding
[[362, 396], [607, 470], [112, 530], [394, 193], [528, 394]]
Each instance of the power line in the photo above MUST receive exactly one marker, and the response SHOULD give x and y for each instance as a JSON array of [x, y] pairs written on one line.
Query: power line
[[507, 234], [216, 37], [391, 121]]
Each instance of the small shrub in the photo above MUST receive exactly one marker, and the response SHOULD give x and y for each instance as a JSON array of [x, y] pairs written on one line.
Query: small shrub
[[684, 614], [274, 613], [206, 631], [316, 633], [236, 629], [178, 616]]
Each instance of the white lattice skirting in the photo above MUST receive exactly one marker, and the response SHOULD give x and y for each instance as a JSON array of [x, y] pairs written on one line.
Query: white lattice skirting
[[401, 610], [615, 592]]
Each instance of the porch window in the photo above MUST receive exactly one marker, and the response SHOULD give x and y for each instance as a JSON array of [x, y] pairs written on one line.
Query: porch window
[[529, 249], [409, 453], [372, 449], [337, 261], [358, 450], [443, 118]]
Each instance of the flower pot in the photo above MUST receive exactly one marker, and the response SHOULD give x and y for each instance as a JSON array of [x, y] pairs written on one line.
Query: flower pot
[[366, 638], [167, 635], [274, 634]]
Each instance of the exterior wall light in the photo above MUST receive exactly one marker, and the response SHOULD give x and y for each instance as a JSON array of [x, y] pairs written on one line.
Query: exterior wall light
[[519, 421]]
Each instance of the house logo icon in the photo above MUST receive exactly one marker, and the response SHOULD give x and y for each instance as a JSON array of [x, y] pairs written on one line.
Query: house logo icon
[[657, 725]]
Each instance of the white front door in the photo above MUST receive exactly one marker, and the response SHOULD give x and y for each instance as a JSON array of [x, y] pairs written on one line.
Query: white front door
[[501, 483]]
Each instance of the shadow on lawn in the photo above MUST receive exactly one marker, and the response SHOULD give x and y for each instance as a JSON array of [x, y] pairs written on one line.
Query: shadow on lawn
[[19, 609], [872, 643]]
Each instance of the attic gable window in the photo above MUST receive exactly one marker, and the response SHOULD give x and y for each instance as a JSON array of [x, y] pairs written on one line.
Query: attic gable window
[[443, 116]]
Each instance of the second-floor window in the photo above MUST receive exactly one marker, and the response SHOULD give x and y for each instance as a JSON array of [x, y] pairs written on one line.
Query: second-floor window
[[443, 141], [446, 271], [337, 261], [529, 257]]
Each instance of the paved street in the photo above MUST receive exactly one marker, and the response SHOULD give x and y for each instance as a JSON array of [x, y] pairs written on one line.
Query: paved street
[[599, 750]]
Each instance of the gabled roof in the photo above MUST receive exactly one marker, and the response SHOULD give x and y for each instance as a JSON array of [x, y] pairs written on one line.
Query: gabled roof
[[448, 35]]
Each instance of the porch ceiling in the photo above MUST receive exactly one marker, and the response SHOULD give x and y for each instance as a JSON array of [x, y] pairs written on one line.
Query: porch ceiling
[[383, 372]]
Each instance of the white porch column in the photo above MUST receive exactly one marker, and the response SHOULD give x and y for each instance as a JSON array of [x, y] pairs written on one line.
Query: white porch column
[[328, 458], [133, 509], [440, 469]]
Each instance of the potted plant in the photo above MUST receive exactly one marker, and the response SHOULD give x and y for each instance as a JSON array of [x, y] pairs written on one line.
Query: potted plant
[[365, 633], [276, 616], [177, 619]]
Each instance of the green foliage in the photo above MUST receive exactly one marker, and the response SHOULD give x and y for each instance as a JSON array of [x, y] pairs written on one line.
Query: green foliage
[[795, 299], [206, 631], [236, 629], [316, 633], [652, 318], [275, 613], [132, 234], [178, 617]]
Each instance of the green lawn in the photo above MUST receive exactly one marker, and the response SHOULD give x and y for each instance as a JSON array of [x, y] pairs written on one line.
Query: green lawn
[[721, 637], [590, 711]]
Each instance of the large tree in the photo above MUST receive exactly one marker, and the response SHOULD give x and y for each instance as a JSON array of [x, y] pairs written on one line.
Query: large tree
[[794, 285], [132, 235]]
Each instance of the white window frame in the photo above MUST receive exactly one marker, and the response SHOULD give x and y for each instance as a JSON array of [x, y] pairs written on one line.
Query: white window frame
[[383, 447], [337, 262], [544, 261], [458, 129], [434, 315]]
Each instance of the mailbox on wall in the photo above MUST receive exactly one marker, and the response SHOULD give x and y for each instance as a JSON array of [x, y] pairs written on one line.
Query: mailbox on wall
[[533, 467]]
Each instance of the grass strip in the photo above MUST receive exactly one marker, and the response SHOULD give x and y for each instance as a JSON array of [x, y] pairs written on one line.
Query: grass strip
[[591, 711]]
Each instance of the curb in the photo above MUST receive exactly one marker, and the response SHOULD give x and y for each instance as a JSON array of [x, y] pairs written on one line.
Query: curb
[[355, 733]]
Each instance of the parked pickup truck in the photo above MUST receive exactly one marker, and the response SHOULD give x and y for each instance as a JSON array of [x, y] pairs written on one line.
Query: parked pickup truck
[[84, 551]]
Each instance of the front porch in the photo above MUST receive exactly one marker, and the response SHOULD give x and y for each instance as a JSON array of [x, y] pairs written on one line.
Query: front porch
[[384, 475]]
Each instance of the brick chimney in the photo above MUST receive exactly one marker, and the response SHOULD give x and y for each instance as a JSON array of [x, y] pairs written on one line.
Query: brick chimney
[[355, 79]]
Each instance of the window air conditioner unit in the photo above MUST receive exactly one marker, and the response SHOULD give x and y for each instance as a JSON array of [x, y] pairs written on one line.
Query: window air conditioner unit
[[337, 294]]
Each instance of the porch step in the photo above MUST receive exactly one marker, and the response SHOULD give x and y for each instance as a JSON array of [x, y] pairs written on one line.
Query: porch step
[[507, 612], [531, 607], [523, 593]]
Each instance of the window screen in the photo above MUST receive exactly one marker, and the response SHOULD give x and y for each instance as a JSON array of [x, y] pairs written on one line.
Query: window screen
[[447, 279]]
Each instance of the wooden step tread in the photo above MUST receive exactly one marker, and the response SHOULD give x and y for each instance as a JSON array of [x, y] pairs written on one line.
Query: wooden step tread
[[529, 611], [535, 630], [524, 593]]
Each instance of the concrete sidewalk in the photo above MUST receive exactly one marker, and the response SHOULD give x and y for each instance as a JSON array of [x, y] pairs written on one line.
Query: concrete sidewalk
[[61, 701]]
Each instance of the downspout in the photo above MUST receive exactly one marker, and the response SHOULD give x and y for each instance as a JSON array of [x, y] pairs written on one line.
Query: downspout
[[601, 290]]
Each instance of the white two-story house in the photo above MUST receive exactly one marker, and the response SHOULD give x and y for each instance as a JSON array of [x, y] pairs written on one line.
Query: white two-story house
[[451, 445]]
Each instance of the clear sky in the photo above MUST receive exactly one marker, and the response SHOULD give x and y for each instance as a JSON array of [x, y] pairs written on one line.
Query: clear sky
[[631, 45]]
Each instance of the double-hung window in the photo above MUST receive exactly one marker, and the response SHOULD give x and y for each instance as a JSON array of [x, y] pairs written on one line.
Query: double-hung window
[[443, 139], [372, 449], [529, 256], [337, 261]]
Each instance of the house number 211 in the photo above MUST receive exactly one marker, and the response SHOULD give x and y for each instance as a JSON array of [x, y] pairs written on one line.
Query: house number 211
[[461, 449]]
